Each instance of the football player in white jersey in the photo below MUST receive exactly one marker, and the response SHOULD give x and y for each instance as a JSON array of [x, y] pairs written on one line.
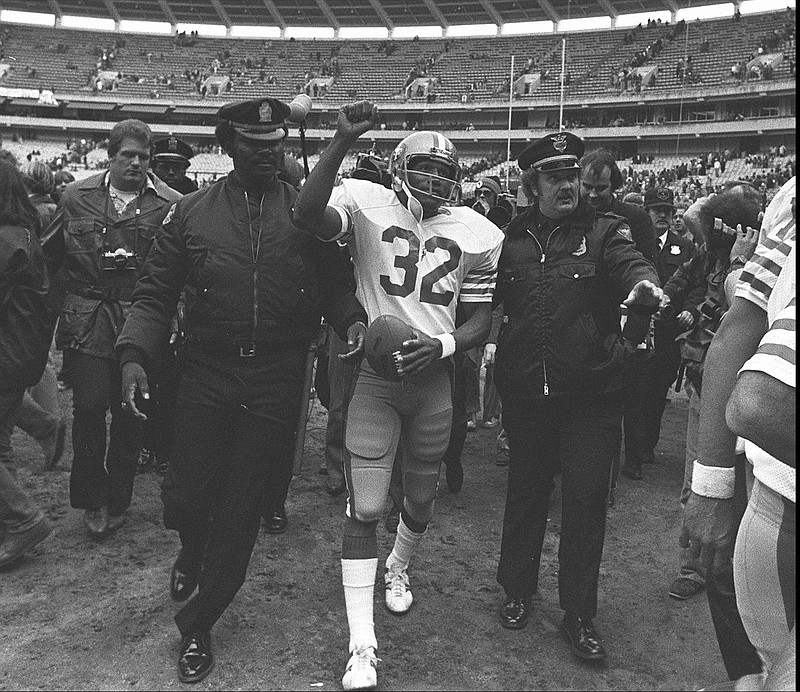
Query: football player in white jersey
[[415, 257]]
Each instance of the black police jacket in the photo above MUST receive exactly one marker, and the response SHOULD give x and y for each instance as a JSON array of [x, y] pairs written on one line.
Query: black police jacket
[[561, 300], [233, 303]]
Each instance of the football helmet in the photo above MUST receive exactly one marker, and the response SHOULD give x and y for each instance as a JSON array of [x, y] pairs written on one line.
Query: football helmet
[[370, 167], [421, 147]]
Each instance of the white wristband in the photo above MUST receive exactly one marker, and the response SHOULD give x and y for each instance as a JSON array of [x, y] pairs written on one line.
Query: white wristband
[[448, 342], [713, 481]]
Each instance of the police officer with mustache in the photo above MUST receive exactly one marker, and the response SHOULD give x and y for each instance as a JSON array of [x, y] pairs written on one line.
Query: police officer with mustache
[[560, 366]]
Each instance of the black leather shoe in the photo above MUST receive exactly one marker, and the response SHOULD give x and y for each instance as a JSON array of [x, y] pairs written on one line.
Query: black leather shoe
[[182, 584], [145, 462], [277, 522], [454, 473], [160, 467], [632, 472], [514, 613], [586, 643], [196, 660]]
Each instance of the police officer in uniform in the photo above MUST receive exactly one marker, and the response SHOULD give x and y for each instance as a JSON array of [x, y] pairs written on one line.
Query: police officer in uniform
[[254, 285], [100, 236], [170, 163], [560, 364], [651, 378]]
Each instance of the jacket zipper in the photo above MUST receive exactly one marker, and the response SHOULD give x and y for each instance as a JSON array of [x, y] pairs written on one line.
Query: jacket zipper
[[254, 255], [546, 387]]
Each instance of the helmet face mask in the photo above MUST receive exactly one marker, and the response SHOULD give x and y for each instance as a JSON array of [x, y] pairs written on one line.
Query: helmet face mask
[[427, 163]]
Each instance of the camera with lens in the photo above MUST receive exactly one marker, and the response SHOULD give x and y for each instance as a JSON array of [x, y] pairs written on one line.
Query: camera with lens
[[711, 310], [119, 259], [721, 236]]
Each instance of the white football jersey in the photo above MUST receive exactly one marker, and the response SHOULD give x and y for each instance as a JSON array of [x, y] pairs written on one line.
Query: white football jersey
[[416, 272]]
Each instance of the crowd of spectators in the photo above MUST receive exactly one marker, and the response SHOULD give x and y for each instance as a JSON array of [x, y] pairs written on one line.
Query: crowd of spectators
[[704, 175], [779, 41], [627, 76]]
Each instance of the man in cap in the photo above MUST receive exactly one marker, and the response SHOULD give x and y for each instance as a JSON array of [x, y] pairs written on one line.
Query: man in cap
[[560, 368], [651, 378], [170, 163], [416, 258], [255, 286]]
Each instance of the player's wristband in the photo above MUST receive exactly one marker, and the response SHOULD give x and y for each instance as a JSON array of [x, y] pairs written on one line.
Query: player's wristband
[[713, 481], [448, 342]]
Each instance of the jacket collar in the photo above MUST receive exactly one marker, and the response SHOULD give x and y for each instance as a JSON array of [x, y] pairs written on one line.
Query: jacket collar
[[235, 180], [154, 184], [582, 217]]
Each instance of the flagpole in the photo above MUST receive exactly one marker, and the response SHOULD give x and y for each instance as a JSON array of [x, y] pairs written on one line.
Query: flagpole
[[563, 65], [508, 145]]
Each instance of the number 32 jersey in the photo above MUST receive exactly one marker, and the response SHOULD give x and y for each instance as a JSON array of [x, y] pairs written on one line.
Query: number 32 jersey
[[416, 272]]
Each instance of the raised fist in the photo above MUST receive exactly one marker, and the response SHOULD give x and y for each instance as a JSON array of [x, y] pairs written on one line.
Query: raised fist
[[357, 118]]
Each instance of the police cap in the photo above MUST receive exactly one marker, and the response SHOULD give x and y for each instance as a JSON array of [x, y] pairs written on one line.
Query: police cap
[[488, 184], [172, 149], [552, 152], [659, 197], [262, 119]]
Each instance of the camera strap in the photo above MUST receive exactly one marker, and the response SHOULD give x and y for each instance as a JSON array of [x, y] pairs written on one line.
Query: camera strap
[[112, 196]]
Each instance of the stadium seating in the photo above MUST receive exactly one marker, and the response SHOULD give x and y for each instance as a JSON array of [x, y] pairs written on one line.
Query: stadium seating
[[475, 69]]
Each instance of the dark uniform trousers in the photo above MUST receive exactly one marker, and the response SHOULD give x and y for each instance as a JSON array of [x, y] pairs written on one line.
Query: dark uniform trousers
[[101, 477], [579, 437], [234, 435], [645, 399], [458, 430], [163, 378]]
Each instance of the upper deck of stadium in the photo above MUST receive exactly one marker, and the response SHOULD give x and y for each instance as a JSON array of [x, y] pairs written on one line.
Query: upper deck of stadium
[[348, 15], [473, 70]]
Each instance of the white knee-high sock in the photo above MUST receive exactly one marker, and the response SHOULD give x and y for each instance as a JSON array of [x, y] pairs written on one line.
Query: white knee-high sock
[[358, 579], [405, 544]]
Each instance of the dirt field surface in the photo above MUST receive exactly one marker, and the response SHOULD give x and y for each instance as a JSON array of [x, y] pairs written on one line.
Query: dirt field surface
[[83, 615]]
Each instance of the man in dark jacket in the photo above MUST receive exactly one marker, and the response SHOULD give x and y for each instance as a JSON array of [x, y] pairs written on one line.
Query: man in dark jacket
[[26, 328], [254, 286], [560, 366], [100, 237], [600, 179], [651, 378]]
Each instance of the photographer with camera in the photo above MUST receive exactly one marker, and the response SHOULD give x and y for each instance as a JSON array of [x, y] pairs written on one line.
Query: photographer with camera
[[490, 202], [99, 238], [728, 222]]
